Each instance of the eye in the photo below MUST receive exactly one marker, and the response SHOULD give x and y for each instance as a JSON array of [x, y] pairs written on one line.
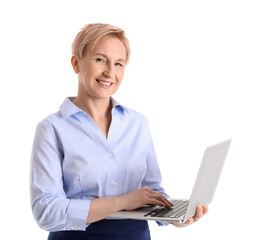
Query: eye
[[100, 60], [119, 64]]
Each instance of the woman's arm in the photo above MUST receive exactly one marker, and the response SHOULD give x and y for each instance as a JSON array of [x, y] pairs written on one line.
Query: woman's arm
[[52, 210], [101, 208]]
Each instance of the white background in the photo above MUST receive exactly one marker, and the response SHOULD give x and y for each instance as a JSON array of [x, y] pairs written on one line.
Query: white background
[[194, 72]]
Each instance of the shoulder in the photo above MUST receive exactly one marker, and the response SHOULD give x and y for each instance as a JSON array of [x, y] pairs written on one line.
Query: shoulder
[[133, 114], [126, 111], [51, 121], [137, 119]]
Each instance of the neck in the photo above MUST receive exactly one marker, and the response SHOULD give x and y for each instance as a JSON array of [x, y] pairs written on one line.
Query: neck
[[97, 109]]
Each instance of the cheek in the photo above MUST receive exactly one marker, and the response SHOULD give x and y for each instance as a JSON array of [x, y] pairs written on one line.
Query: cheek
[[83, 79], [120, 76], [87, 75]]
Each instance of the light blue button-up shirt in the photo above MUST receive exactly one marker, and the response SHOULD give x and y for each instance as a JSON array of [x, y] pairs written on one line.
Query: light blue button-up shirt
[[73, 163]]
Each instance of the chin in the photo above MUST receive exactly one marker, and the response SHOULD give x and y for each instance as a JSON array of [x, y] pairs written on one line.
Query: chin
[[106, 95]]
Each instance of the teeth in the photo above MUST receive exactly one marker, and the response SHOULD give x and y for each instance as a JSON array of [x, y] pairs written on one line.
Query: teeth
[[104, 83]]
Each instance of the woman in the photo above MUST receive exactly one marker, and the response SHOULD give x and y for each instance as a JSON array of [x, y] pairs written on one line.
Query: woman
[[94, 156]]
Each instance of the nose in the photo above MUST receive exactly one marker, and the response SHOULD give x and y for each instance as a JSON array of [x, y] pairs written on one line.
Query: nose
[[109, 71]]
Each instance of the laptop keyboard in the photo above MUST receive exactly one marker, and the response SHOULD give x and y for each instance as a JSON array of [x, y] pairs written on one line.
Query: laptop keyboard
[[179, 208]]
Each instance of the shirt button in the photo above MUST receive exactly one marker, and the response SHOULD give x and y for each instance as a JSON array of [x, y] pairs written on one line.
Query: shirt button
[[114, 183], [111, 155], [72, 227]]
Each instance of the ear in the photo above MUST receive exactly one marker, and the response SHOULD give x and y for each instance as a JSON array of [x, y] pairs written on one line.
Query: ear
[[75, 64]]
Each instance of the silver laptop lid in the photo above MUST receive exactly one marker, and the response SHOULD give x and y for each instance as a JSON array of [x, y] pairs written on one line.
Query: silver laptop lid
[[208, 176]]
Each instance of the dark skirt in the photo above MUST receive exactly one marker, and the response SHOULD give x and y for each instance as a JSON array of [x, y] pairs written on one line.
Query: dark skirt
[[107, 230]]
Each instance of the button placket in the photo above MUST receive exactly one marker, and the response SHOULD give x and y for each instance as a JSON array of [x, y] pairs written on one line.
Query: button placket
[[114, 181]]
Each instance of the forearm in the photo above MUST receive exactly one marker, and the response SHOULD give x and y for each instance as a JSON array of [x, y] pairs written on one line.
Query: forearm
[[101, 208]]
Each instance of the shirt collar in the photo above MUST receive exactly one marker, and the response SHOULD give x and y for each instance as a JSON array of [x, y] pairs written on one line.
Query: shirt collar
[[115, 104], [68, 108]]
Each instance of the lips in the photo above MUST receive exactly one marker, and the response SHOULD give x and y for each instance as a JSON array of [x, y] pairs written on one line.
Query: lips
[[104, 83]]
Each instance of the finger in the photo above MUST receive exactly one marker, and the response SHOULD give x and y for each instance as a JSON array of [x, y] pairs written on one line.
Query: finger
[[162, 199], [199, 212], [155, 193], [205, 209], [190, 221], [167, 202], [160, 196], [154, 201], [147, 189], [157, 197]]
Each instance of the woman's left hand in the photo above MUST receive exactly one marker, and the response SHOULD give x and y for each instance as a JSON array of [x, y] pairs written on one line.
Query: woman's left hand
[[200, 211]]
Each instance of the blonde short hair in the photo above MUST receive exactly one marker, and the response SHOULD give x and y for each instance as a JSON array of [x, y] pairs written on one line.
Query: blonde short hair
[[90, 34]]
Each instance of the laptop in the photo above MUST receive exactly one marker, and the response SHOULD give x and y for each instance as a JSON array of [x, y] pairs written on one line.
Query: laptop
[[202, 194]]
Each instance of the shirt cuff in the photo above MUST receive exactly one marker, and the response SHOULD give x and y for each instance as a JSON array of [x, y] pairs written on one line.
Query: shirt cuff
[[160, 224], [77, 214]]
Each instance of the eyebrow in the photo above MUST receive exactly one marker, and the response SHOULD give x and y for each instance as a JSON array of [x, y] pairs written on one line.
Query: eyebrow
[[104, 55]]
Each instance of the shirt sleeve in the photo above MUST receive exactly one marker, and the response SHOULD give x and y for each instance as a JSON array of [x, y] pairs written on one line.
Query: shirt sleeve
[[52, 210], [153, 178]]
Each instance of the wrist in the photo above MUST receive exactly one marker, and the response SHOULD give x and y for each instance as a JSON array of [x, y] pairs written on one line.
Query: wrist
[[120, 203], [179, 225]]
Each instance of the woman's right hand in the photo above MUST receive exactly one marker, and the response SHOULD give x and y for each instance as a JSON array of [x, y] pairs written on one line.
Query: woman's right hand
[[101, 208], [143, 196]]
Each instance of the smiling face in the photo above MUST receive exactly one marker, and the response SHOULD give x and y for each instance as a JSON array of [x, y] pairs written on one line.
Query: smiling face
[[101, 70]]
